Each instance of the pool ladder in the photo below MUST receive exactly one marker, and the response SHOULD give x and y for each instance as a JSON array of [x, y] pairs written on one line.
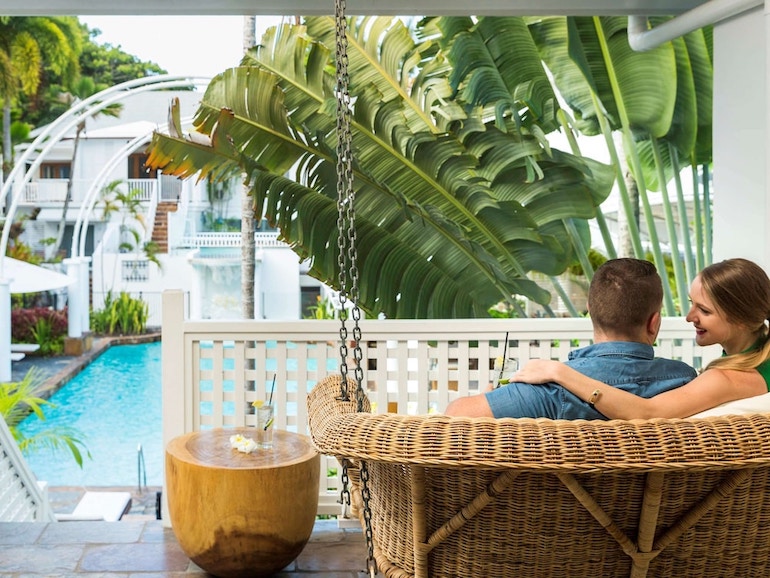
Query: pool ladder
[[141, 468]]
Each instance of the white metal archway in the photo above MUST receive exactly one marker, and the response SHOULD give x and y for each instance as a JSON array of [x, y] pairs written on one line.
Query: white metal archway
[[41, 146]]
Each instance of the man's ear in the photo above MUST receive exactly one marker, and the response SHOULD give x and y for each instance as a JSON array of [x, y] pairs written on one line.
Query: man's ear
[[653, 325]]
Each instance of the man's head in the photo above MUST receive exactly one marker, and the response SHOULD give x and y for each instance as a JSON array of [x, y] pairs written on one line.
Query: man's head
[[624, 301]]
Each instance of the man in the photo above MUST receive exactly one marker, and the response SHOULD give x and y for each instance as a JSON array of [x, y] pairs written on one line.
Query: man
[[624, 302]]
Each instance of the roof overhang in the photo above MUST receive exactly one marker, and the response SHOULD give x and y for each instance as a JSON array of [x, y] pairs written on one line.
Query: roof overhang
[[314, 7]]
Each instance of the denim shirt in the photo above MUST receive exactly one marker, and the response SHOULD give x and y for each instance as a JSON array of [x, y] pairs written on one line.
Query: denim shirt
[[623, 364]]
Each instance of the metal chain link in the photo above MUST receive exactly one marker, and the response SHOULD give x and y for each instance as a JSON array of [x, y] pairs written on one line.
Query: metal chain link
[[345, 492], [371, 565], [344, 183], [348, 258]]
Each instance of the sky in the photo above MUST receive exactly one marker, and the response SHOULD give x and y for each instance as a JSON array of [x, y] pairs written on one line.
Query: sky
[[194, 45]]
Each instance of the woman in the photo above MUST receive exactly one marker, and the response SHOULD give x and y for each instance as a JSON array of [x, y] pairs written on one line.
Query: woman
[[729, 305]]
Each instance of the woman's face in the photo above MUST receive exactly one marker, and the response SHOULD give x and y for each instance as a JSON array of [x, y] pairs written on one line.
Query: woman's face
[[711, 326]]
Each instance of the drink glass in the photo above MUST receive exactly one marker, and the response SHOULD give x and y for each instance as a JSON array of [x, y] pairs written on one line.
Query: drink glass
[[265, 418], [504, 370]]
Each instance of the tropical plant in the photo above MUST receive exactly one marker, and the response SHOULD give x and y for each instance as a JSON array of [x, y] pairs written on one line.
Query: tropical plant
[[323, 309], [118, 199], [122, 316], [458, 193], [107, 65], [44, 334], [28, 45], [49, 323], [661, 103], [18, 400]]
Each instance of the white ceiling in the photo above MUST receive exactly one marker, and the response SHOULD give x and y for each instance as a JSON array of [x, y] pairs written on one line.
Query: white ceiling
[[313, 7]]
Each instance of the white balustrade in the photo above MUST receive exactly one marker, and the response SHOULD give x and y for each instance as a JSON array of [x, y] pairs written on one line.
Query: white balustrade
[[233, 239]]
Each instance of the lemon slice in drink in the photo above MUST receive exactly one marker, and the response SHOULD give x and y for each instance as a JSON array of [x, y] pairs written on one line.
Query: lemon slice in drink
[[258, 403]]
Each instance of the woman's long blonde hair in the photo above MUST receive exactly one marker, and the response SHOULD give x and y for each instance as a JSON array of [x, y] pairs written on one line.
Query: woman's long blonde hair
[[740, 289]]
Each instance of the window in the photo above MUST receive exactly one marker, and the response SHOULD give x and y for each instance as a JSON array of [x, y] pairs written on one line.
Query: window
[[55, 170], [137, 168], [135, 270], [309, 299]]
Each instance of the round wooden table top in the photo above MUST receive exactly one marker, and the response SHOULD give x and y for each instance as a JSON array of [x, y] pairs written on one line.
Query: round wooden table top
[[212, 448]]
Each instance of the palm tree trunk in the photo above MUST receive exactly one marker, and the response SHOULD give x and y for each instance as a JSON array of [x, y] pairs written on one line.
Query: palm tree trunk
[[7, 146], [68, 196], [625, 237], [247, 206]]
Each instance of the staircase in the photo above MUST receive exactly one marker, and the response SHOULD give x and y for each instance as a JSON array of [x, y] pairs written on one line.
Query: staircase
[[160, 227]]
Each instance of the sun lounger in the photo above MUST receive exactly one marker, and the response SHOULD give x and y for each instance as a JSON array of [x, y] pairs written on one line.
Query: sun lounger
[[104, 506], [24, 347]]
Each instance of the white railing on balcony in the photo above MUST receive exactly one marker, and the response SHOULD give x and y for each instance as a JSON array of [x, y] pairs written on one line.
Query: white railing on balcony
[[45, 191], [146, 189], [216, 239], [54, 191], [214, 370]]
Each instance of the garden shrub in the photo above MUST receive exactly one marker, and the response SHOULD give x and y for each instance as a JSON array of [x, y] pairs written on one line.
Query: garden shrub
[[42, 325], [122, 316]]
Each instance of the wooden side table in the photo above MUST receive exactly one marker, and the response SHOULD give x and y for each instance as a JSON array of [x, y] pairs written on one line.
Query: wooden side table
[[237, 514]]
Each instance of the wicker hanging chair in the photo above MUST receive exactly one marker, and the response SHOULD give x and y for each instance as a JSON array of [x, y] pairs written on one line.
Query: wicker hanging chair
[[539, 498], [524, 498]]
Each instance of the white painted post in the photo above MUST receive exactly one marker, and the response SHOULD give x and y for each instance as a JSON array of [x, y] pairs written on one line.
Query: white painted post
[[85, 293], [73, 299], [5, 330], [172, 375]]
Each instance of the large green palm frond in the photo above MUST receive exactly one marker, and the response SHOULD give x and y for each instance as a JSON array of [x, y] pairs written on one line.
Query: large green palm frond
[[496, 64], [451, 212]]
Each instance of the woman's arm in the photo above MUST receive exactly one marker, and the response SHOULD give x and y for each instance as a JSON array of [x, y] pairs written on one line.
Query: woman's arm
[[711, 388]]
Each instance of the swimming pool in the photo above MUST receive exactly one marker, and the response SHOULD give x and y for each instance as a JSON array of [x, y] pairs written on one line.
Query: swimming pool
[[115, 403]]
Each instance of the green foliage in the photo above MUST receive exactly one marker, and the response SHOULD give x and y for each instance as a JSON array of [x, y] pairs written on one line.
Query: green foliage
[[596, 259], [104, 64], [458, 193], [42, 325], [18, 400], [47, 338], [210, 222], [129, 206], [323, 309], [504, 311], [122, 316], [17, 249]]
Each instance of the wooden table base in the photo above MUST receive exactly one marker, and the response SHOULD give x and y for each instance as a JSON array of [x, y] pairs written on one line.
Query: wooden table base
[[237, 514]]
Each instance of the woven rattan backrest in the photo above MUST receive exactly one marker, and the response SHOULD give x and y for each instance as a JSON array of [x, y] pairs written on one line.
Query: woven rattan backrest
[[540, 498]]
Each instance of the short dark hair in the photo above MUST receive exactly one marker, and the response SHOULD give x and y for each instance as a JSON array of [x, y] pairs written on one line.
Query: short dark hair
[[624, 293]]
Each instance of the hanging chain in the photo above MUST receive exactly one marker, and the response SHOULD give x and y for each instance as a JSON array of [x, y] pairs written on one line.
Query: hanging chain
[[347, 258], [344, 183], [345, 492]]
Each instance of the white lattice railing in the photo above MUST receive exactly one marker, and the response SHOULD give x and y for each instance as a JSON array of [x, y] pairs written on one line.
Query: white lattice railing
[[213, 370], [22, 499]]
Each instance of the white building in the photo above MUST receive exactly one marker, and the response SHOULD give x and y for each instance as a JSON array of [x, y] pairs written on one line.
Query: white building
[[195, 225]]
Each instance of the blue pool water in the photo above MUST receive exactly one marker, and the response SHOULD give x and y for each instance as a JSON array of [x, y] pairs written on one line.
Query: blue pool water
[[115, 403]]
